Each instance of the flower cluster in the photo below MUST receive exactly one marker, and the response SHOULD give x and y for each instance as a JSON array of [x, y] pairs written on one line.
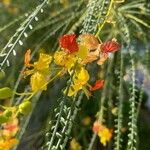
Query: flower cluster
[[9, 121], [8, 132], [89, 48], [72, 55], [98, 51], [70, 59], [103, 132], [76, 55]]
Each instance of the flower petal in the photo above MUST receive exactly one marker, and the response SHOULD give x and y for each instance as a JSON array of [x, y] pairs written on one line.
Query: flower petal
[[90, 41], [38, 82], [80, 78], [27, 58], [83, 51], [105, 135], [98, 85], [97, 127], [102, 59], [63, 59], [74, 145], [110, 46], [68, 42], [92, 56], [43, 63], [8, 144]]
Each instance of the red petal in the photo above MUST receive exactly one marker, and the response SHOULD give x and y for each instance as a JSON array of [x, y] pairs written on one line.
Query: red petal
[[110, 46], [98, 85], [69, 43]]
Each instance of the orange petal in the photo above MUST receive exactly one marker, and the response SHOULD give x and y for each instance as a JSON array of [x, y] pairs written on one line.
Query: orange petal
[[27, 58], [90, 41], [92, 56], [103, 58], [11, 128], [97, 127]]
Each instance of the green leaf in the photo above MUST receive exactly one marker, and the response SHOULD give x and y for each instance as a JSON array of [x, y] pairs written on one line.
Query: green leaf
[[5, 93]]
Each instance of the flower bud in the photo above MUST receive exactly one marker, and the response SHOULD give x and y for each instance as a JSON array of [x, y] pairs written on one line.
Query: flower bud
[[8, 113], [25, 108]]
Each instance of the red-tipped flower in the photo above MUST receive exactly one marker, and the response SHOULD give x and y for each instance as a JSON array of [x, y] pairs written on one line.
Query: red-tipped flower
[[110, 46], [97, 126], [69, 43], [98, 85]]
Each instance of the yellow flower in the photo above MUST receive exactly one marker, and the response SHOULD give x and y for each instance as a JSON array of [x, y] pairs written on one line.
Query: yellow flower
[[105, 135], [80, 79], [42, 65], [74, 145], [114, 111], [64, 59], [65, 3], [40, 72], [86, 121], [6, 2], [83, 51], [8, 143], [38, 81], [81, 76]]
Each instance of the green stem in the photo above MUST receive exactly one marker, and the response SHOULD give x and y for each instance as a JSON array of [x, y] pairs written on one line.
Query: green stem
[[60, 112], [101, 110], [92, 141], [72, 119], [66, 124], [120, 108], [102, 25]]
